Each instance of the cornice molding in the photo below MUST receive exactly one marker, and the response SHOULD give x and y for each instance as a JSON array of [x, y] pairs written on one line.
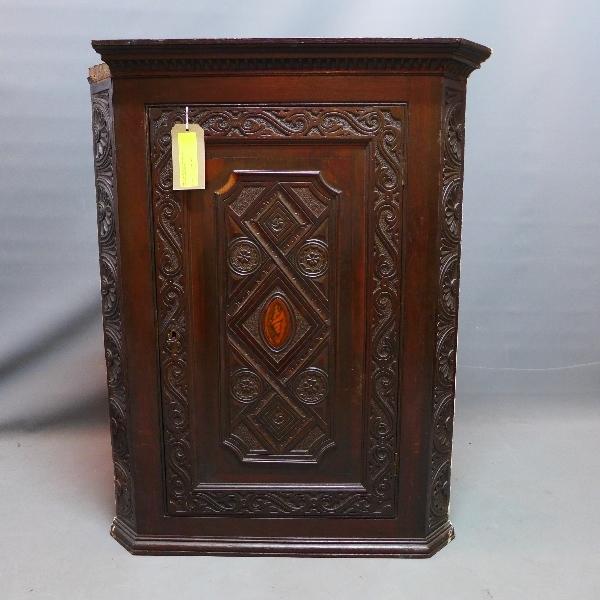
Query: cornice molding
[[449, 57]]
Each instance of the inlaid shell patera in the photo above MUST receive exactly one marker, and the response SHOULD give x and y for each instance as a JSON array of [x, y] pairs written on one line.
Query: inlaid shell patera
[[277, 323]]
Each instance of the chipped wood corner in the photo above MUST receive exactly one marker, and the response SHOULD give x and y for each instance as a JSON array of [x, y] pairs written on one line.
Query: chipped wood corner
[[98, 73]]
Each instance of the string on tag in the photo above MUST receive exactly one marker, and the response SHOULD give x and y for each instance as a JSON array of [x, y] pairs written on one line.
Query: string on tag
[[187, 118]]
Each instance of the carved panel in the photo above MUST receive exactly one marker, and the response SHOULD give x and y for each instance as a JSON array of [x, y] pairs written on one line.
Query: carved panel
[[111, 310], [382, 128], [450, 212], [278, 314]]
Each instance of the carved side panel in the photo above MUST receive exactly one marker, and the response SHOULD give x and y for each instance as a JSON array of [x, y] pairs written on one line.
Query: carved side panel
[[276, 231], [106, 201], [382, 127], [450, 215]]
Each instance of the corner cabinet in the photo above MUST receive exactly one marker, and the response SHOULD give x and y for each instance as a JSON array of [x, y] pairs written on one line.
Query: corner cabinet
[[280, 346]]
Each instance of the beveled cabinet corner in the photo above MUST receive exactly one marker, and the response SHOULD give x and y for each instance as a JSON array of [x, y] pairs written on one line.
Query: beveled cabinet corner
[[281, 346]]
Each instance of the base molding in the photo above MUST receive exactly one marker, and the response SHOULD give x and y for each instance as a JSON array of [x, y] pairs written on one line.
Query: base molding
[[316, 547]]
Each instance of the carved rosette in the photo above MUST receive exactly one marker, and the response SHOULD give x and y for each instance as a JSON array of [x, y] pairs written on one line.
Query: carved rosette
[[244, 256], [246, 386], [311, 386], [382, 127], [111, 311], [450, 212], [312, 258]]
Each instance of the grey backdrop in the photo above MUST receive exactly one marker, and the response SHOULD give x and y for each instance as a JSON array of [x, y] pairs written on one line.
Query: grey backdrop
[[530, 289]]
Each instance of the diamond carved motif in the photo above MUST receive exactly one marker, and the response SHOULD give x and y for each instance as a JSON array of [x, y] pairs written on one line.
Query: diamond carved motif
[[282, 219], [278, 319], [278, 221], [254, 317], [279, 420]]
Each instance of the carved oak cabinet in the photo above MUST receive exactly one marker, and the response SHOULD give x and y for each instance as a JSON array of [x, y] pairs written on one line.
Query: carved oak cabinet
[[280, 346]]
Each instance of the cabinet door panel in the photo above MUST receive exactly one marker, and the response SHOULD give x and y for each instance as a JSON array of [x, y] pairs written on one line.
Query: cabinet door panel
[[244, 378], [278, 300]]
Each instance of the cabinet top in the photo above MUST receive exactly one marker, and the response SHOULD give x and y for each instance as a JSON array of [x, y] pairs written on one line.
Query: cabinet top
[[451, 57]]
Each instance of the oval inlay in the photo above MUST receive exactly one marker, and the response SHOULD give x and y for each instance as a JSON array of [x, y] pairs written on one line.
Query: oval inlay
[[277, 323]]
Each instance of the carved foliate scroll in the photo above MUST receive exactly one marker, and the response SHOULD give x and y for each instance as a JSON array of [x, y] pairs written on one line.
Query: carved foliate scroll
[[111, 299], [383, 129], [449, 219]]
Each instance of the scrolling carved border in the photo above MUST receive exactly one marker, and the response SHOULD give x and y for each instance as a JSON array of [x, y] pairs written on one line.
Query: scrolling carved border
[[385, 130], [449, 226], [108, 242]]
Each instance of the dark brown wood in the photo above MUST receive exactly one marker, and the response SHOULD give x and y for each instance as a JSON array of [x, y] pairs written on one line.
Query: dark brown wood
[[281, 345]]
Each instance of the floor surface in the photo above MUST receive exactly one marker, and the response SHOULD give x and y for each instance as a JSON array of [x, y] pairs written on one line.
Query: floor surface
[[525, 500]]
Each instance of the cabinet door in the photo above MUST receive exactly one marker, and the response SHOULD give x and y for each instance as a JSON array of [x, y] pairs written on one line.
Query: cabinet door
[[278, 310]]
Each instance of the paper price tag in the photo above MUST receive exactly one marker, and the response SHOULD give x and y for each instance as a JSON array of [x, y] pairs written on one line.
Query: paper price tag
[[188, 157]]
